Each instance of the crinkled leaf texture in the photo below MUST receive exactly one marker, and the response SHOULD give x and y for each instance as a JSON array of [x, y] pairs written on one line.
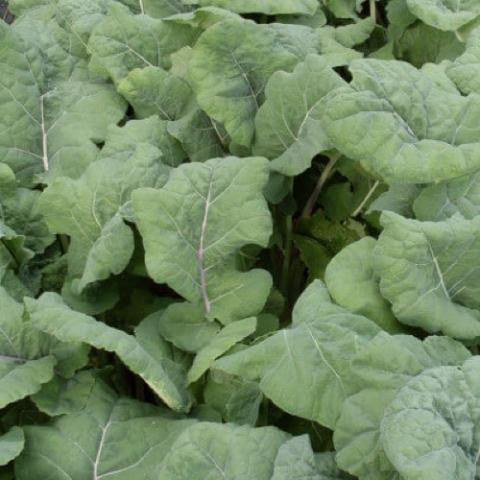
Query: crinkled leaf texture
[[89, 209], [445, 14], [377, 380], [431, 428], [49, 124], [193, 227], [429, 273], [110, 437], [123, 41], [29, 358], [419, 130], [146, 353], [314, 354], [288, 126], [231, 64], [269, 7]]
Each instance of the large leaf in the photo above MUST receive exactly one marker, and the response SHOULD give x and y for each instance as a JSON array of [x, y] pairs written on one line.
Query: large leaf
[[446, 199], [146, 353], [288, 126], [45, 126], [314, 354], [419, 131], [185, 325], [431, 429], [111, 437], [19, 210], [377, 380], [223, 452], [123, 41], [27, 357], [11, 445], [465, 70], [296, 461], [89, 209], [445, 14], [229, 69], [352, 282], [269, 7], [197, 222], [429, 273], [153, 91], [227, 338]]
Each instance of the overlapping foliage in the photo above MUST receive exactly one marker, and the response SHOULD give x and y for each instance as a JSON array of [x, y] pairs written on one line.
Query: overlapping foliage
[[240, 240]]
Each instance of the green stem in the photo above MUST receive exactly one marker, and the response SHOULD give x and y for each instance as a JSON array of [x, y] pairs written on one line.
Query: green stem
[[366, 199], [287, 254], [287, 248], [373, 11], [327, 171]]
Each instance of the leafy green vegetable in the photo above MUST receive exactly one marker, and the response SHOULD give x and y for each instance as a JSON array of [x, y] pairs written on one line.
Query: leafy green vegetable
[[412, 141], [223, 211], [146, 354], [427, 271], [239, 240]]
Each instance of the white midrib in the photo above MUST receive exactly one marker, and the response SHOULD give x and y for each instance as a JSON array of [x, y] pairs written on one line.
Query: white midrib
[[439, 271], [201, 250], [100, 447], [44, 134], [8, 358]]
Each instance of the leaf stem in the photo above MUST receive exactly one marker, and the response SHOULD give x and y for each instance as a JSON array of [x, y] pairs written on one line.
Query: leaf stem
[[366, 199], [287, 248], [327, 171], [373, 11]]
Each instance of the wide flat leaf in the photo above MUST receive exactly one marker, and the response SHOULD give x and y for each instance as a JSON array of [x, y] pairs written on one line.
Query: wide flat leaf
[[146, 354], [89, 209], [421, 44], [288, 127], [377, 379], [444, 200], [419, 131], [123, 41], [314, 354], [11, 445], [111, 437], [223, 452], [45, 126], [27, 357], [223, 341], [231, 64], [445, 14], [268, 7], [465, 70], [185, 325], [19, 211], [162, 8], [236, 399], [429, 273], [154, 91], [352, 282], [296, 461], [431, 428], [193, 227]]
